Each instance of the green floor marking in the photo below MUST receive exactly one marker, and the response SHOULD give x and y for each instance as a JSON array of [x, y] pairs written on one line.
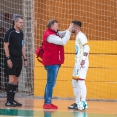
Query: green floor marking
[[13, 112], [33, 113]]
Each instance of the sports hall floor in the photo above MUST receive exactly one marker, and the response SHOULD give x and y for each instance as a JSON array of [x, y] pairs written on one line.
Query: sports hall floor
[[33, 108]]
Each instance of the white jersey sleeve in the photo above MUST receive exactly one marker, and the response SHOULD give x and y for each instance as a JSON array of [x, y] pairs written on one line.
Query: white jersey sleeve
[[83, 39], [84, 42]]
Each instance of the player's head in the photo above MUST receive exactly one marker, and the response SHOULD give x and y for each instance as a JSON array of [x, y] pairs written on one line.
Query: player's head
[[53, 24], [77, 26], [18, 22]]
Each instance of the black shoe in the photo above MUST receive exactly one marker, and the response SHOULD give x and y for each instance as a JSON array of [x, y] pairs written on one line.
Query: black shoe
[[16, 103], [10, 104], [73, 106]]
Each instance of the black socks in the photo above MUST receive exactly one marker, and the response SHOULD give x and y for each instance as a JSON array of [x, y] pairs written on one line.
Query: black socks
[[11, 90]]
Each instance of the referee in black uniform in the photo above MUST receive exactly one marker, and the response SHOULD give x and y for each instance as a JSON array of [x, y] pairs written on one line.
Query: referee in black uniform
[[14, 51]]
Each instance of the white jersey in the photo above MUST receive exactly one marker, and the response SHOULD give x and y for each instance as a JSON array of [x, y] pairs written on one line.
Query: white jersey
[[80, 41], [80, 72]]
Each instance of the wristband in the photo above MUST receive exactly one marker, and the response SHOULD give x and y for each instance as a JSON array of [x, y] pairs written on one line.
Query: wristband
[[84, 58], [8, 57], [25, 59]]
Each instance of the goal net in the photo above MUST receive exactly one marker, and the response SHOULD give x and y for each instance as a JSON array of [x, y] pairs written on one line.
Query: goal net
[[99, 20], [8, 11]]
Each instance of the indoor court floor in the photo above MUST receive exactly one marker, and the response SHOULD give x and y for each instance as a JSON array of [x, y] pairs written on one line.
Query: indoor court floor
[[33, 108]]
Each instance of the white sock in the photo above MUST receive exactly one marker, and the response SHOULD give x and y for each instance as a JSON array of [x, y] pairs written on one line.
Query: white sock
[[76, 90], [83, 90], [77, 94]]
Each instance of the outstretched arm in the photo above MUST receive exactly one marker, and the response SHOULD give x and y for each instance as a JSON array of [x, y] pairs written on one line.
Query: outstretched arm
[[61, 41], [62, 33]]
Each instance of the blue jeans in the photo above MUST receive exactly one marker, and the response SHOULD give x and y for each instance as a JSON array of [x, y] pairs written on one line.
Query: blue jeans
[[52, 72]]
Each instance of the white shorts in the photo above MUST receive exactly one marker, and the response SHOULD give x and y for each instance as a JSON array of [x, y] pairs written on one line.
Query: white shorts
[[80, 72]]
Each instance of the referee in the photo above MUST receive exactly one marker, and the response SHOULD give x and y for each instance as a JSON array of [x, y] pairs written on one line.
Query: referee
[[14, 51]]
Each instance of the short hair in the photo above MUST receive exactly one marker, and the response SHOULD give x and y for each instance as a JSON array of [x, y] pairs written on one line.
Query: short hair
[[51, 22], [17, 18], [78, 23]]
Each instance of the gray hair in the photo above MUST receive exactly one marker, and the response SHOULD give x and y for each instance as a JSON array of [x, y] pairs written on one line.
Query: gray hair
[[51, 22], [17, 18]]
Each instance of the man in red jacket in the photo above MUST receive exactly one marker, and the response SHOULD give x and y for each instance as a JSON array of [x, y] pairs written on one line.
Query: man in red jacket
[[53, 57]]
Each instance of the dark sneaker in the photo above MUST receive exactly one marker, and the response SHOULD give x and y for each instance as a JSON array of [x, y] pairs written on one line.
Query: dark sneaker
[[16, 103], [9, 103], [73, 106]]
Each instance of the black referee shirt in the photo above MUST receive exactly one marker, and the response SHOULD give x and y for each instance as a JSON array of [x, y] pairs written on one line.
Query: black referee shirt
[[15, 40]]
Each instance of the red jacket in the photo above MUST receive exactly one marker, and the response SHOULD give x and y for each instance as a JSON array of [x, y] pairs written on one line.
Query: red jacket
[[53, 54]]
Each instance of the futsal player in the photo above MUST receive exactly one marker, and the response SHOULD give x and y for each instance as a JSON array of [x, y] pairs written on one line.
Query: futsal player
[[81, 65]]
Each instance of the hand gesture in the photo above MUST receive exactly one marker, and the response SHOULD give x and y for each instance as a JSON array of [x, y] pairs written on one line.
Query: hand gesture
[[82, 63], [25, 63], [71, 27]]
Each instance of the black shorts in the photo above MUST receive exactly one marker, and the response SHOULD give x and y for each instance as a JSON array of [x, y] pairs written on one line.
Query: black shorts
[[17, 66]]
